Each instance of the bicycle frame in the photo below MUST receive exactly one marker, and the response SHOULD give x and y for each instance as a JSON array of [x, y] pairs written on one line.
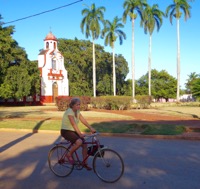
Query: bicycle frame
[[96, 148]]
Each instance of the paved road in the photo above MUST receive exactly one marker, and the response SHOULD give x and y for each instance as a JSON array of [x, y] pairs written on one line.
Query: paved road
[[149, 164]]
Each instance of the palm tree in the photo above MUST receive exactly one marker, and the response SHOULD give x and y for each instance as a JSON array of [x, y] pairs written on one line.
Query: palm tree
[[90, 24], [111, 32], [132, 8], [175, 10], [152, 17]]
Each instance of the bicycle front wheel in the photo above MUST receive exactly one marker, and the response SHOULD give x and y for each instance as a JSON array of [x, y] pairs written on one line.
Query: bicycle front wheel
[[108, 165], [58, 162]]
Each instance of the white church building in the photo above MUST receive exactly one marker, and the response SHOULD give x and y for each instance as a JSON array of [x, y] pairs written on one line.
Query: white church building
[[54, 77]]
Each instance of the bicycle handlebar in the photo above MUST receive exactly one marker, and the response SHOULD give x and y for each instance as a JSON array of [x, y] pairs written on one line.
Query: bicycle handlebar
[[91, 135]]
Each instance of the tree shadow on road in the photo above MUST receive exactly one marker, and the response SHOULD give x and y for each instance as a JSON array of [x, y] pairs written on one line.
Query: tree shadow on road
[[14, 142]]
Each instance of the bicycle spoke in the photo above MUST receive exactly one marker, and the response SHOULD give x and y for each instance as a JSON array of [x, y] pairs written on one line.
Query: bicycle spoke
[[58, 162], [108, 165]]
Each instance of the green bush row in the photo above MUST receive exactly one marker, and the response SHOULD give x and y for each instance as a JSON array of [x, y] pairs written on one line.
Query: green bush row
[[106, 102], [112, 102], [62, 103]]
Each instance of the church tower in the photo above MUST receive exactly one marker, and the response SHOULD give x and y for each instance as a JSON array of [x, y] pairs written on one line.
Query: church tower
[[54, 78]]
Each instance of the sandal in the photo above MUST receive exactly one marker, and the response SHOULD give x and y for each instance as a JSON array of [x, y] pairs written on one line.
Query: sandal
[[87, 167], [70, 159]]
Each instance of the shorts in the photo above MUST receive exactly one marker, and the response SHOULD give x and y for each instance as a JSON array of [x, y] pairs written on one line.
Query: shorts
[[71, 136]]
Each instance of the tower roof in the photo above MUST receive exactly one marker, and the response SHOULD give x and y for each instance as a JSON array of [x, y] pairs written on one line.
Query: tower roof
[[50, 36]]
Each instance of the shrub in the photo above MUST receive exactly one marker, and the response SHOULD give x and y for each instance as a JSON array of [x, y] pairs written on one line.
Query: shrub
[[63, 102], [112, 102], [143, 101]]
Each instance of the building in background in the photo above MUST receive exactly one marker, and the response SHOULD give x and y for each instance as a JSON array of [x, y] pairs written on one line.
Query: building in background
[[54, 76]]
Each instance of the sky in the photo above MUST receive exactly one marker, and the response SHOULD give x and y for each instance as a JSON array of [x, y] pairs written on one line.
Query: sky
[[65, 23]]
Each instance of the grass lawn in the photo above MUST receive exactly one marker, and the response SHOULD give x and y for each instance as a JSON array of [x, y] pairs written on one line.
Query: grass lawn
[[48, 118]]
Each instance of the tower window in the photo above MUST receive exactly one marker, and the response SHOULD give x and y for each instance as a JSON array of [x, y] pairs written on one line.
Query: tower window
[[47, 45], [54, 64]]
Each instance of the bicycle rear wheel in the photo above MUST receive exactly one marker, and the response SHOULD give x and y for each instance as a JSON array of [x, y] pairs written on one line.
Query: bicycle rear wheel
[[58, 162], [108, 165]]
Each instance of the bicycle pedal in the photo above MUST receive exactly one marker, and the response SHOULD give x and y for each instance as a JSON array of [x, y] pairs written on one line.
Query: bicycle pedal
[[78, 167]]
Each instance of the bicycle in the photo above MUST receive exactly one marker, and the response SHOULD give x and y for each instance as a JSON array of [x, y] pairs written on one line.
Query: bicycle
[[107, 164]]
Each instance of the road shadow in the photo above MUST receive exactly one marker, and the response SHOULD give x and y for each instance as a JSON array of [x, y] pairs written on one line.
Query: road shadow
[[14, 142], [148, 164]]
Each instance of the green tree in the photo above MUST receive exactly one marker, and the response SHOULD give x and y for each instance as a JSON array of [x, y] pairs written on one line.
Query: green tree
[[104, 85], [141, 87], [192, 77], [111, 32], [132, 8], [127, 89], [34, 73], [121, 73], [77, 56], [8, 50], [195, 89], [17, 83], [176, 10], [90, 24], [152, 17], [78, 61], [104, 73], [19, 77], [163, 85]]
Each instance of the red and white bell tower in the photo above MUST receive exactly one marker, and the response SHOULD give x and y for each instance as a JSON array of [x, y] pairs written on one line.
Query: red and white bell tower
[[54, 78]]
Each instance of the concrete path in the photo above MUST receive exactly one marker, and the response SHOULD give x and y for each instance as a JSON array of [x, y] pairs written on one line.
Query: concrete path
[[149, 163]]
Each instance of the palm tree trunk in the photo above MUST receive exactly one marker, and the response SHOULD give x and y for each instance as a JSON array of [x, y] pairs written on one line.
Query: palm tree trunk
[[178, 59], [114, 74], [94, 70], [133, 62], [149, 65]]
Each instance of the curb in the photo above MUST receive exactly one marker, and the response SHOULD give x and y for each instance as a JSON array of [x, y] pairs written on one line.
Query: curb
[[185, 136]]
